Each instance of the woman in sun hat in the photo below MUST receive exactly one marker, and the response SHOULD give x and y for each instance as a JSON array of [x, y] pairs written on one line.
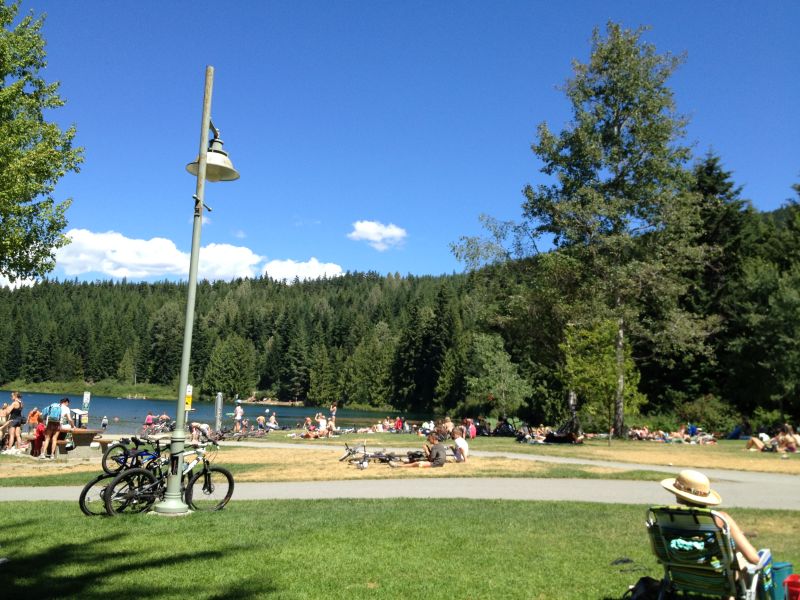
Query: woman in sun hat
[[692, 488]]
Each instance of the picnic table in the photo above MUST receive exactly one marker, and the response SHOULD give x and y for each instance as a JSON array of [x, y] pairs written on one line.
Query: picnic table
[[82, 440]]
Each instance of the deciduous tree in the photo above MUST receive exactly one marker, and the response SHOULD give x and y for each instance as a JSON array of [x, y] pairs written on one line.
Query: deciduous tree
[[34, 153]]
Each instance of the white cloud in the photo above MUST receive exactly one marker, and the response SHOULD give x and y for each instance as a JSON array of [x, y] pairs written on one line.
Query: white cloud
[[376, 234], [289, 269], [223, 261], [113, 254], [239, 234], [4, 282]]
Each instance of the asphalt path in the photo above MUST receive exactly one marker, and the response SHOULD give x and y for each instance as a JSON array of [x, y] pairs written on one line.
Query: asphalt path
[[737, 488]]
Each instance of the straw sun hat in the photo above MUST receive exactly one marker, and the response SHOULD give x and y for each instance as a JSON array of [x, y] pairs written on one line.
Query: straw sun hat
[[694, 487]]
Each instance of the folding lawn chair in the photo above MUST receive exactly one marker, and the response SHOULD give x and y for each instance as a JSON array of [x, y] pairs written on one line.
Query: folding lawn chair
[[698, 555]]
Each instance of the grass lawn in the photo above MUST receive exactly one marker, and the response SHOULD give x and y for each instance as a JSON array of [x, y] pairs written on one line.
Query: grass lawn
[[344, 549], [315, 464]]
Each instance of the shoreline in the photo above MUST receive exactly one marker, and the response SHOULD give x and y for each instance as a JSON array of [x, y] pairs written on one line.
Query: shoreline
[[298, 404]]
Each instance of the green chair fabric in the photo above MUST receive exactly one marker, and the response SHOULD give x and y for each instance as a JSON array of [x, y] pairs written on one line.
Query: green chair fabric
[[696, 550]]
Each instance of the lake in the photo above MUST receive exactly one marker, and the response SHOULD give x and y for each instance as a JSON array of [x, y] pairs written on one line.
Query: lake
[[126, 415]]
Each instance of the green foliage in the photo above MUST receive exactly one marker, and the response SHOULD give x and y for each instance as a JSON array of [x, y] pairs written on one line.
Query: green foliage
[[766, 420], [494, 388], [34, 153], [710, 413], [590, 370], [231, 369]]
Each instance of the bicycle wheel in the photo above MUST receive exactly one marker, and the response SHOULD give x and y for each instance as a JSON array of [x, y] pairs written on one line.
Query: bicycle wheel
[[132, 491], [114, 459], [92, 499], [209, 489]]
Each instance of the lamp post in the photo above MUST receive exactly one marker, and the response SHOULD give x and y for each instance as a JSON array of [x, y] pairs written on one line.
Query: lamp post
[[212, 164]]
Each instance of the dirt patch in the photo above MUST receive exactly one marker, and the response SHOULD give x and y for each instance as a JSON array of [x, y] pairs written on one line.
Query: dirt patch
[[31, 468]]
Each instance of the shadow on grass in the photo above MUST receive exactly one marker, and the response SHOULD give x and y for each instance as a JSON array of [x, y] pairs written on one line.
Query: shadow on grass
[[40, 574]]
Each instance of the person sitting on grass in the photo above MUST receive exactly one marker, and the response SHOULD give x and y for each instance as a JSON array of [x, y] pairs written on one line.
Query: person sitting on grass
[[783, 442], [461, 448], [435, 455]]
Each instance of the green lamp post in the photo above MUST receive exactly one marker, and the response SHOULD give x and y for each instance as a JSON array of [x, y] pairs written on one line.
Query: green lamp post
[[212, 164]]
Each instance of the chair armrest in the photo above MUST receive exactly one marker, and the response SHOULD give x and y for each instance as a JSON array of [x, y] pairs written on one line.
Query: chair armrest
[[745, 565]]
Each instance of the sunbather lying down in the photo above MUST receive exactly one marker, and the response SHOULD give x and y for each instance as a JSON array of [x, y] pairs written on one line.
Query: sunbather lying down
[[313, 435]]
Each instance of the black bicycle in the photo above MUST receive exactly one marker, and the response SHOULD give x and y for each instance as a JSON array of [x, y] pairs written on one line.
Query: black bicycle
[[132, 452], [92, 499], [207, 488]]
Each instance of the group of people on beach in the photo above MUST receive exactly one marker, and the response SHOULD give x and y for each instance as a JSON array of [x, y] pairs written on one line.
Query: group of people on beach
[[45, 425]]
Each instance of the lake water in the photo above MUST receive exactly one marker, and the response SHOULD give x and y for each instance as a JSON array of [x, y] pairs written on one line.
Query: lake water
[[126, 415]]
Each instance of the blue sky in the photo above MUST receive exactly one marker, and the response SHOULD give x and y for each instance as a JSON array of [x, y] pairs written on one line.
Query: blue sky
[[370, 135]]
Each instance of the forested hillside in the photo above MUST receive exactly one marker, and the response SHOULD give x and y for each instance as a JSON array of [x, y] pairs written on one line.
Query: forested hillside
[[490, 342]]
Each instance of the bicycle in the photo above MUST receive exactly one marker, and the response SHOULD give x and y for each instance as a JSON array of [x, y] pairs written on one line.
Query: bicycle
[[136, 490], [92, 499], [358, 455], [121, 456]]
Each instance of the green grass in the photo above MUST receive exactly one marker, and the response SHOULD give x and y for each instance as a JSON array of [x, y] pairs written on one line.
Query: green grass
[[106, 387], [343, 549]]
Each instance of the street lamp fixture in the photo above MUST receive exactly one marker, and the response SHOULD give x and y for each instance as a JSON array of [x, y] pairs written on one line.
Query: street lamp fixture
[[212, 164], [218, 165]]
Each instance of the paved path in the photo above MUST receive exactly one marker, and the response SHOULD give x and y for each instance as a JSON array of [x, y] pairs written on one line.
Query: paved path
[[738, 488]]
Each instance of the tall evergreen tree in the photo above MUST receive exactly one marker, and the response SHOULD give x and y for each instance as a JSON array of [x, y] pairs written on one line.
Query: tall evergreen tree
[[619, 204]]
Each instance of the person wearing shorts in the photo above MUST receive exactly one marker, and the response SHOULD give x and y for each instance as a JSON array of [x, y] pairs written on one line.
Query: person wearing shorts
[[238, 415], [53, 427], [13, 412]]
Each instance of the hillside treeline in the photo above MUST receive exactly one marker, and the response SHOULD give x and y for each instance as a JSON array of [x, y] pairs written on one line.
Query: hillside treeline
[[494, 341]]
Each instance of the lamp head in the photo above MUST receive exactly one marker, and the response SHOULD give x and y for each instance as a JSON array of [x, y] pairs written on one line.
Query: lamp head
[[218, 166]]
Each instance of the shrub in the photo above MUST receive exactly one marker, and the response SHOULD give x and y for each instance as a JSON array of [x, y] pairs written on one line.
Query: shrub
[[710, 413]]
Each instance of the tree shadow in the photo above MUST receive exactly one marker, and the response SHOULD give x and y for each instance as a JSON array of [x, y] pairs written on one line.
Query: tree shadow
[[40, 574]]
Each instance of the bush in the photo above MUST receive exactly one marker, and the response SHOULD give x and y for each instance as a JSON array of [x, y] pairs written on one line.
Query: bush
[[710, 413], [766, 420], [666, 421]]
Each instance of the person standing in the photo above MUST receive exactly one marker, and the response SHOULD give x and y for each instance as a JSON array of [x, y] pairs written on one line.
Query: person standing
[[13, 413], [33, 419], [59, 419], [148, 422], [238, 415], [104, 422]]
